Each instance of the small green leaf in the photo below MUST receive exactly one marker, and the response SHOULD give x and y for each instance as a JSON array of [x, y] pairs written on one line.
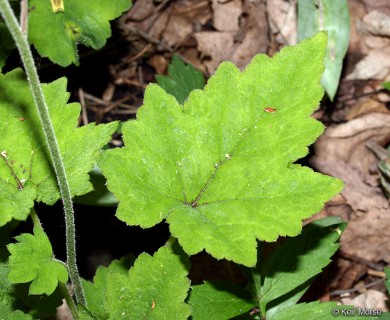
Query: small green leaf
[[32, 260], [219, 300], [386, 85], [155, 287], [332, 16], [95, 292], [26, 172], [182, 79], [220, 168], [56, 35], [298, 260]]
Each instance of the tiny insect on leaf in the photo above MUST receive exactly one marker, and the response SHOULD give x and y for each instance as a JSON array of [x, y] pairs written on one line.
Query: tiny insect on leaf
[[270, 110]]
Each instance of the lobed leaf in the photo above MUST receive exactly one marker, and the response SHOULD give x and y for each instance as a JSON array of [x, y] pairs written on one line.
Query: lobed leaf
[[155, 287], [32, 260], [56, 35], [220, 168], [95, 292], [181, 80], [26, 172], [219, 300]]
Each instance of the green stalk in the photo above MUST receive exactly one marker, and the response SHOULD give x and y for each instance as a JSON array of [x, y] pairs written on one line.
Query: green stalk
[[25, 53]]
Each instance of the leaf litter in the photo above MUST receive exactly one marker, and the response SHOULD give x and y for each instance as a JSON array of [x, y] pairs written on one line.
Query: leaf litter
[[197, 31]]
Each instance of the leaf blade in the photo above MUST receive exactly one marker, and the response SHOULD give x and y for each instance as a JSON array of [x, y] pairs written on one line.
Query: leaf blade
[[181, 79], [299, 260], [219, 300], [154, 287], [26, 173], [85, 22], [32, 260], [332, 16], [218, 168]]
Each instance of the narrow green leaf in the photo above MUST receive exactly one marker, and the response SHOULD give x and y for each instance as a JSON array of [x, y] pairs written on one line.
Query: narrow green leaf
[[384, 316], [57, 35], [299, 259], [386, 85], [387, 282], [289, 299], [32, 260], [26, 172], [219, 300], [320, 311], [155, 287], [182, 79], [220, 168], [332, 16]]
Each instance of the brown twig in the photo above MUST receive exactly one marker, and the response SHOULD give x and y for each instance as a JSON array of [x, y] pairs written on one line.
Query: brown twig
[[146, 37], [345, 291], [370, 264], [140, 53], [84, 114], [24, 15]]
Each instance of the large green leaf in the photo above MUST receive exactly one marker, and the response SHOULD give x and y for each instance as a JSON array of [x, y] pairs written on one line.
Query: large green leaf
[[220, 168], [57, 34], [181, 79], [26, 173], [32, 260], [332, 16]]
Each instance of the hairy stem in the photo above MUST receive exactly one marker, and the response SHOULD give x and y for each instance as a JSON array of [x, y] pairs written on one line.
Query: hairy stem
[[22, 44], [35, 218]]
